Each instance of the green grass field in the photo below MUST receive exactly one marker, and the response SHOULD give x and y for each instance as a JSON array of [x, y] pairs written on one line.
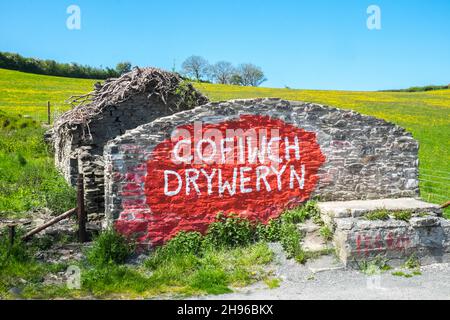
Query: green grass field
[[425, 114]]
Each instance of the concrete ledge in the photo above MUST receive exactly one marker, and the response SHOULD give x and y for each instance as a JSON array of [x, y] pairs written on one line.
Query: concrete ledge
[[356, 208]]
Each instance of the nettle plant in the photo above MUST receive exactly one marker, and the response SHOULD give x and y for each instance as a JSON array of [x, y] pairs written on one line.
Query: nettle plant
[[228, 231], [109, 248], [231, 231]]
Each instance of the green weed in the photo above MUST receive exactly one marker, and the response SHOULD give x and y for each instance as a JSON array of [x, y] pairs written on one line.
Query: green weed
[[272, 283], [377, 215], [402, 215], [375, 266], [269, 232], [326, 233], [290, 241]]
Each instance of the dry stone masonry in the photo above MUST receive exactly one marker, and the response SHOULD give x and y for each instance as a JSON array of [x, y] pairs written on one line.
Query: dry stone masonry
[[158, 183], [135, 98]]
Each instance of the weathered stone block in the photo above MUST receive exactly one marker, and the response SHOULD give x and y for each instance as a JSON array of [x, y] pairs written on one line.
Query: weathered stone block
[[356, 238]]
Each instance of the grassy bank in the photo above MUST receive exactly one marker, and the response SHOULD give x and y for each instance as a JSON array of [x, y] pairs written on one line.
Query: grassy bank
[[28, 178], [189, 264]]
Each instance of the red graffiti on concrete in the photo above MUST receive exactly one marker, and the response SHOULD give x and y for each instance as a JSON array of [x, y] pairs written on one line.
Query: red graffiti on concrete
[[367, 244], [256, 178]]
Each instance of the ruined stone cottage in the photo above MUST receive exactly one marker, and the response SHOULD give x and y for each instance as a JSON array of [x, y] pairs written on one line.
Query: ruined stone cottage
[[117, 105]]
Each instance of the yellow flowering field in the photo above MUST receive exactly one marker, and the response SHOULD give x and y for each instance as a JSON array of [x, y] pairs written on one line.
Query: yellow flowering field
[[425, 114], [27, 93]]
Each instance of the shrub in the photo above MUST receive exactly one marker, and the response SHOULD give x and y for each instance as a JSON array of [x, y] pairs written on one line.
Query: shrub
[[285, 230], [297, 215], [269, 232], [231, 231], [183, 244], [109, 248], [14, 61]]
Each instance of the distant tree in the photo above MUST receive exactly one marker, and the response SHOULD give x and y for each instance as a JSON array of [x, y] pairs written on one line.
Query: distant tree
[[236, 79], [123, 67], [50, 66], [251, 75], [14, 61], [195, 67], [222, 72]]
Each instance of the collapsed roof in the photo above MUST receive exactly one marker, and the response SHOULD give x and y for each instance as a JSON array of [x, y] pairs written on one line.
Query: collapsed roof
[[167, 87]]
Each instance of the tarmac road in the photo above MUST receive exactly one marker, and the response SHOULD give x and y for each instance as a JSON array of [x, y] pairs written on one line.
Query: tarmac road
[[326, 279]]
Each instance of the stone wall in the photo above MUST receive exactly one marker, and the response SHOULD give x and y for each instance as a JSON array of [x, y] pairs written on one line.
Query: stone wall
[[65, 146], [81, 151], [341, 155]]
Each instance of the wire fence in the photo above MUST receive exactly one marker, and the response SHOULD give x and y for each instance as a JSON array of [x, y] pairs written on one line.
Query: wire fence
[[434, 185], [47, 113]]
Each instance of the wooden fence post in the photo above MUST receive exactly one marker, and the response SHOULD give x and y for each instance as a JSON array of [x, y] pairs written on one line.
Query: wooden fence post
[[82, 235], [48, 113], [12, 234]]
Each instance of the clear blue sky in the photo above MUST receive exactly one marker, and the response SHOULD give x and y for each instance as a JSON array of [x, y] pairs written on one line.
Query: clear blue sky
[[301, 44]]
